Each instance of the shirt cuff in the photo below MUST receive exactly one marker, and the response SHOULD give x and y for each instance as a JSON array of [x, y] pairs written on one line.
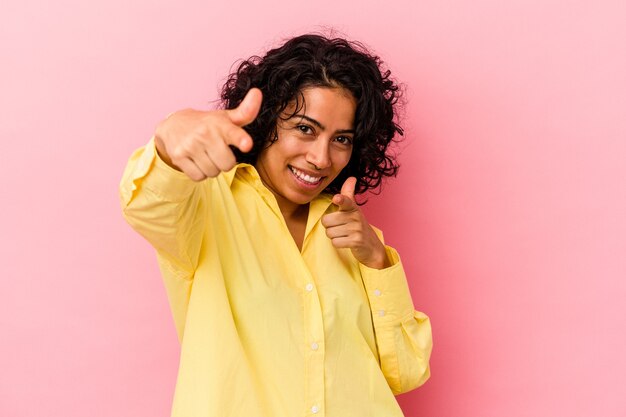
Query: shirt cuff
[[388, 291], [152, 173]]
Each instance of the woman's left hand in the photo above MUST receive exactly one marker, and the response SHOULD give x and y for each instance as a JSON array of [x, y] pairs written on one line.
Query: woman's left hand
[[348, 228]]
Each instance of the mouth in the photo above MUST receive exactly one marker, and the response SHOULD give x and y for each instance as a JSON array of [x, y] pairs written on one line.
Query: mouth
[[305, 178]]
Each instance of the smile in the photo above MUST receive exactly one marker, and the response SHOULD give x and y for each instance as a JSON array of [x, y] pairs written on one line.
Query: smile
[[305, 177]]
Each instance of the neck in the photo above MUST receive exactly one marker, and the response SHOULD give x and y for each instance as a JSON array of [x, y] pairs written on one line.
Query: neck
[[293, 211], [296, 216]]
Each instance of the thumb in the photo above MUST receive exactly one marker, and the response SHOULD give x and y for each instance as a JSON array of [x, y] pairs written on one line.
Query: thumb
[[345, 200], [348, 186], [248, 109]]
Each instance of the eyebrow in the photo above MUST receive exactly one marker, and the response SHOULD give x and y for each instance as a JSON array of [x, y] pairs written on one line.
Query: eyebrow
[[321, 126]]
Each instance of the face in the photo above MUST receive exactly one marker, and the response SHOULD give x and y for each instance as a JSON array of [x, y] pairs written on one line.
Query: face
[[312, 147]]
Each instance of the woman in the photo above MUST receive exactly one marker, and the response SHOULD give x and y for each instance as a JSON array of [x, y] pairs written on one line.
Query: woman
[[286, 301]]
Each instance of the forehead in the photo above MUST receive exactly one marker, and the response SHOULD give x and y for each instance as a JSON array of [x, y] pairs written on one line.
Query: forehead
[[334, 107]]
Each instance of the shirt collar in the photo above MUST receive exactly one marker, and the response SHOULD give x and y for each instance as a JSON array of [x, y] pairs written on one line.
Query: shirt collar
[[248, 173]]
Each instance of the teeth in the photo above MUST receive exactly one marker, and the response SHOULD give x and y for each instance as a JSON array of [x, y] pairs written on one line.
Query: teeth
[[305, 177]]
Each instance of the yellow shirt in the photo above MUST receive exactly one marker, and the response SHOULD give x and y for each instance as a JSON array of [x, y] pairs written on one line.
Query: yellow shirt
[[267, 330]]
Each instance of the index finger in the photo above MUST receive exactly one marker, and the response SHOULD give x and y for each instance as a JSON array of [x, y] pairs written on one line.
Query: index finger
[[344, 203], [239, 138]]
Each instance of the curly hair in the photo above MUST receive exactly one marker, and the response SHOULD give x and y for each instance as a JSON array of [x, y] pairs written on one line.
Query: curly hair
[[313, 60]]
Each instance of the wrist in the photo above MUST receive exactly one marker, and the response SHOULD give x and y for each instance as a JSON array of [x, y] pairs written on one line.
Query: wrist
[[162, 152], [380, 260]]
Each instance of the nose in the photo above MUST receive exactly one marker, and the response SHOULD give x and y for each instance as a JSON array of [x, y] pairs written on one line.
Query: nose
[[318, 153]]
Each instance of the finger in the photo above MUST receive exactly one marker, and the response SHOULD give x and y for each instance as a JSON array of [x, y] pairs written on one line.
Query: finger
[[191, 169], [236, 136], [337, 218], [204, 162], [195, 153], [341, 242], [337, 231], [345, 200], [344, 203], [221, 155], [248, 109], [348, 186]]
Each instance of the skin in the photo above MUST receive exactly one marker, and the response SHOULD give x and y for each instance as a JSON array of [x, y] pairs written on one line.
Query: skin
[[316, 142]]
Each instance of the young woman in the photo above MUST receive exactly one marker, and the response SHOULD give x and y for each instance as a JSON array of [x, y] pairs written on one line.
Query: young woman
[[285, 299]]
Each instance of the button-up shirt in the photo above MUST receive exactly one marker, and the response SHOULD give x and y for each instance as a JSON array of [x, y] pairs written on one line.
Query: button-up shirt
[[266, 329]]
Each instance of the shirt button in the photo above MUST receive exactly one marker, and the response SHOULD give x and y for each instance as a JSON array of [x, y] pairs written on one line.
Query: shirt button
[[314, 346], [309, 287], [315, 409], [381, 313], [377, 292]]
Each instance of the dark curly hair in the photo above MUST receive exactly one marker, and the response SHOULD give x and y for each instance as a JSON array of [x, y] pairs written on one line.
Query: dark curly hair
[[313, 60]]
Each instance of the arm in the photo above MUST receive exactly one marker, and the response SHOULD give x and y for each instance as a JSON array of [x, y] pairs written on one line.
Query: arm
[[161, 191], [159, 202], [403, 335], [161, 194]]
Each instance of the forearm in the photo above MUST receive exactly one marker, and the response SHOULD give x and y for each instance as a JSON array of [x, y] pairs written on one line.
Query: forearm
[[403, 335], [161, 204]]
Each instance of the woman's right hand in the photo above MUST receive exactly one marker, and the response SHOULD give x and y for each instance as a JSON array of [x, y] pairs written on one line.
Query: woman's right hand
[[196, 142]]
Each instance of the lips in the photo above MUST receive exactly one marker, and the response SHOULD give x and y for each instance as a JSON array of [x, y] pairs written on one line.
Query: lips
[[304, 177]]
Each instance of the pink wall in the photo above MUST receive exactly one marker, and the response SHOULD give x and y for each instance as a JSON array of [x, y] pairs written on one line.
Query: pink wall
[[509, 210]]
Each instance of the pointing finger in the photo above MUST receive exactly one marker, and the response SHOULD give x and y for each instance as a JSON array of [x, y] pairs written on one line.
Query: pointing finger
[[344, 203], [237, 136]]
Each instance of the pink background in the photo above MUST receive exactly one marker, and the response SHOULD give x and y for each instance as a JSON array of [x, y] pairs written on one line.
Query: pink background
[[509, 210]]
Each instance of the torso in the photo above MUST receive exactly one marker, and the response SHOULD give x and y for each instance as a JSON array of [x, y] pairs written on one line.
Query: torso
[[297, 225]]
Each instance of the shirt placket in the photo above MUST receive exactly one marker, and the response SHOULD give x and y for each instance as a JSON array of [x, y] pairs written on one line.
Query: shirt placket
[[315, 349]]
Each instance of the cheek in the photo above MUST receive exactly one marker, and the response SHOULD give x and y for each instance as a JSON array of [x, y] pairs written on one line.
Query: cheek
[[272, 156], [286, 147], [341, 160]]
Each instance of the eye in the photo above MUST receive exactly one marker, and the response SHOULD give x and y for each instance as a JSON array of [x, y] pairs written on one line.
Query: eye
[[344, 140], [304, 129]]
